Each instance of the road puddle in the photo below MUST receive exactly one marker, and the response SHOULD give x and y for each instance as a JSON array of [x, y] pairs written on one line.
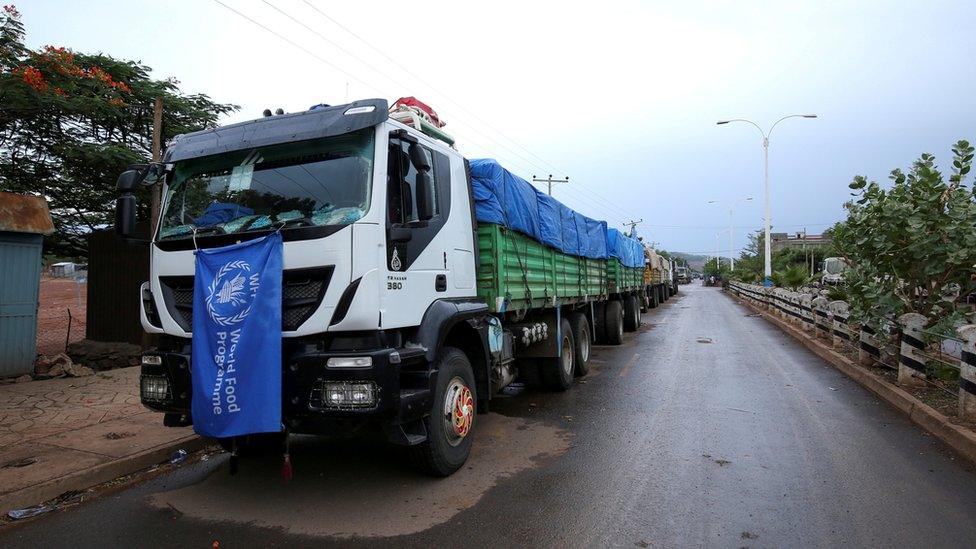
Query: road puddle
[[363, 489]]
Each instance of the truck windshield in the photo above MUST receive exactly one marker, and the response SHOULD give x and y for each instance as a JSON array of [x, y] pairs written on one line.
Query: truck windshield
[[306, 184]]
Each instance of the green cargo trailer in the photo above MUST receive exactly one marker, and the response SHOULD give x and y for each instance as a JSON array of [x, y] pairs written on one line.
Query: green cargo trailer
[[516, 273]]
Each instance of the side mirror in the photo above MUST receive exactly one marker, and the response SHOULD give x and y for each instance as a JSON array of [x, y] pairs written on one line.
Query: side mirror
[[419, 159], [125, 215], [130, 180], [425, 197]]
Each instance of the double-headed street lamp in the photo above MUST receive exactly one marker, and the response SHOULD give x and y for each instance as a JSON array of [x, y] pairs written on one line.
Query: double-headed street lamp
[[768, 274], [732, 206]]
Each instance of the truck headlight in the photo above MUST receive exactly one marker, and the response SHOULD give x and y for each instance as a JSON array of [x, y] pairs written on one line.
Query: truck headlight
[[155, 388], [349, 362]]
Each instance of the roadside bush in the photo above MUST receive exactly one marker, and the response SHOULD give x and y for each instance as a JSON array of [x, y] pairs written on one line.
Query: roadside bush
[[911, 245]]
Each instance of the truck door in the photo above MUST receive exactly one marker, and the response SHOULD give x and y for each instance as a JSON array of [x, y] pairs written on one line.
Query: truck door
[[418, 205]]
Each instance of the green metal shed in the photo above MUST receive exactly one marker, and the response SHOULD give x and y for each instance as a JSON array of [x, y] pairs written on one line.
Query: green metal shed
[[24, 220]]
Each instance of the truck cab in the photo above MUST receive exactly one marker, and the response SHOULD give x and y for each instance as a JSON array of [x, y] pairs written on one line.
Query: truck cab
[[379, 259]]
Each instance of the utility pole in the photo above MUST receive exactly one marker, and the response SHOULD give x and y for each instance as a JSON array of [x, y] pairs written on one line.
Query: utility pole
[[549, 180], [633, 226], [157, 152]]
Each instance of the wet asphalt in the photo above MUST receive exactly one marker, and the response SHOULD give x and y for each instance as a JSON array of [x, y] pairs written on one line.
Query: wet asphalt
[[708, 427]]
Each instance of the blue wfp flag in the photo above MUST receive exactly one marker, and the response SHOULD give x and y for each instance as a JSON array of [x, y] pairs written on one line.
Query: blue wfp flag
[[236, 363]]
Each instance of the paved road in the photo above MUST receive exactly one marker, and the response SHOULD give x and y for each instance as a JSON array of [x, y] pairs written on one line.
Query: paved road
[[707, 428]]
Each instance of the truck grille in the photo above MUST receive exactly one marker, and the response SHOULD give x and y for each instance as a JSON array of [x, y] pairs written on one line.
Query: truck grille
[[302, 291]]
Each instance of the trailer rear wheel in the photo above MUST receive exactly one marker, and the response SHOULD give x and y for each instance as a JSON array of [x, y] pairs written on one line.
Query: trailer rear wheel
[[631, 313], [558, 372], [599, 322], [655, 301], [451, 423], [615, 323], [581, 336]]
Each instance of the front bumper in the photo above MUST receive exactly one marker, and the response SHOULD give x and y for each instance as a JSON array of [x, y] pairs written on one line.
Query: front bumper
[[402, 380]]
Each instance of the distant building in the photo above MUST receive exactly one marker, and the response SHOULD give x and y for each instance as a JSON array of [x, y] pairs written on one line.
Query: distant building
[[782, 241]]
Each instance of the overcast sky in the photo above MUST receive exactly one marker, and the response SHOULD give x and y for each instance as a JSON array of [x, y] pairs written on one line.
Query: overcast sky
[[620, 96]]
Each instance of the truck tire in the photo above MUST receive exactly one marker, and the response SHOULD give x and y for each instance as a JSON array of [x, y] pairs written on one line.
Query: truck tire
[[582, 339], [614, 323], [558, 372], [655, 300], [599, 322], [631, 314], [450, 426]]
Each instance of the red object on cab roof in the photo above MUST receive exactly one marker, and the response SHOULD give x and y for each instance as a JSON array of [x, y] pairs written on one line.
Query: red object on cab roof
[[415, 103]]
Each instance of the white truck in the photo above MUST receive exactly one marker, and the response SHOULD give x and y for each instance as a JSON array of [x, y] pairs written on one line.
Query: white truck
[[833, 271], [399, 309]]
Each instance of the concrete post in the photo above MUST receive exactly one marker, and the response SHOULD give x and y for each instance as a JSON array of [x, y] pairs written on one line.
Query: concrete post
[[838, 313], [821, 326], [797, 304], [806, 309], [868, 352], [967, 373], [911, 365]]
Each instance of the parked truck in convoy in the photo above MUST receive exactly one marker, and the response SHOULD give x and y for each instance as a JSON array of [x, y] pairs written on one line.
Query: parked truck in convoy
[[657, 278], [415, 283], [683, 275]]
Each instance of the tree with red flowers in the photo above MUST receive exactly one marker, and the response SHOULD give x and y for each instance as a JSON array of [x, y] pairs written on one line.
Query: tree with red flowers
[[71, 122]]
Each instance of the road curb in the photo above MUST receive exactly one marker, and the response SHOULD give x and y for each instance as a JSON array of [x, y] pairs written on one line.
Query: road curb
[[959, 438], [104, 472]]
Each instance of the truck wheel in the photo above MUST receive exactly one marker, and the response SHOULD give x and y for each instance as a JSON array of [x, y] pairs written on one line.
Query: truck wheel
[[615, 323], [581, 336], [450, 425], [654, 298], [631, 314], [599, 322], [558, 372]]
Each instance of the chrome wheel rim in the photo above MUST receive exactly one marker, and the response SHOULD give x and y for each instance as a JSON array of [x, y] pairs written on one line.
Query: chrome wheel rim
[[458, 411], [585, 345], [567, 357]]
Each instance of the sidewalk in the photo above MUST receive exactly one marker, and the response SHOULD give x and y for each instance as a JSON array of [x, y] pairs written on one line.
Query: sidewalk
[[71, 433]]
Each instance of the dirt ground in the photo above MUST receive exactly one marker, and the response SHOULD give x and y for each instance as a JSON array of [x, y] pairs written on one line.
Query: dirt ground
[[58, 296]]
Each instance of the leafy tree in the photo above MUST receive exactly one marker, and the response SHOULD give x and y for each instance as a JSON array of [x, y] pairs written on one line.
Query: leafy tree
[[911, 247], [71, 122], [715, 268]]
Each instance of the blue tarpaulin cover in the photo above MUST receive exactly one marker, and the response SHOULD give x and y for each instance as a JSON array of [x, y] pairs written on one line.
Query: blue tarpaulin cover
[[237, 339], [504, 198], [628, 250]]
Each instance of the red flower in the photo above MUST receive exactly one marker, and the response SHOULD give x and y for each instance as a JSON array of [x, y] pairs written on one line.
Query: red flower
[[11, 11], [33, 78]]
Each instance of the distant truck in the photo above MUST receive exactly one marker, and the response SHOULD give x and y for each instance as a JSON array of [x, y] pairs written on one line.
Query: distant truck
[[683, 274], [658, 278], [833, 271], [416, 284]]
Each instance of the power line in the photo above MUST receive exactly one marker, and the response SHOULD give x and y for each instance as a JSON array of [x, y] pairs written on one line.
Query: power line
[[448, 99], [608, 206]]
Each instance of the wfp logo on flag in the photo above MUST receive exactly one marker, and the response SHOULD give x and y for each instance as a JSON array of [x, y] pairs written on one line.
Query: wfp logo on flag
[[236, 359]]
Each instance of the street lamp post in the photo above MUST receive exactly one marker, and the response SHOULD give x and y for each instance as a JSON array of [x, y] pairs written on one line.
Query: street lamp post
[[768, 263], [732, 206]]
